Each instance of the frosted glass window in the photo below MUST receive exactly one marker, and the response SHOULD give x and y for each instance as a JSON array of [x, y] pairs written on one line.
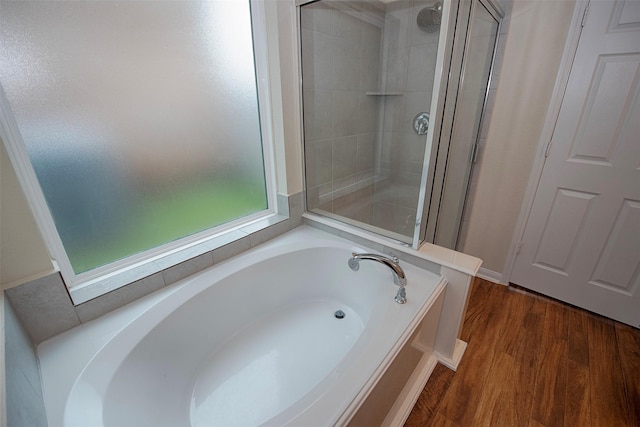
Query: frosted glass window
[[140, 118]]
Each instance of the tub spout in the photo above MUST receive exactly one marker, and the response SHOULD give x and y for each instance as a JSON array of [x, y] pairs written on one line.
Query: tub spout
[[399, 277]]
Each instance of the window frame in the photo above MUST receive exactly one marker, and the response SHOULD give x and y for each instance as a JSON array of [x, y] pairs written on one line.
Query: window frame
[[103, 279]]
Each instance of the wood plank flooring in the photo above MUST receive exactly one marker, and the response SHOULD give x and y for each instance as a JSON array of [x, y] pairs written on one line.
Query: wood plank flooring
[[534, 361]]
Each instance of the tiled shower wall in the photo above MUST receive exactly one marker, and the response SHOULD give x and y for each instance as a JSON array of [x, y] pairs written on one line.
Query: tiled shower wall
[[367, 71], [25, 403], [409, 70], [340, 64]]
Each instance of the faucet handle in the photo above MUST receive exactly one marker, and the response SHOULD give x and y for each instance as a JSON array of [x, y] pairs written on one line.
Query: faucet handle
[[353, 262]]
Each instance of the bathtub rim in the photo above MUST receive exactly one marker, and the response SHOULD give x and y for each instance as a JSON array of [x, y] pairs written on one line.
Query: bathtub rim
[[354, 381], [97, 333]]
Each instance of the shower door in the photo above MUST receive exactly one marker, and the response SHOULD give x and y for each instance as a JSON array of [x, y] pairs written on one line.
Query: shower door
[[460, 140], [368, 70]]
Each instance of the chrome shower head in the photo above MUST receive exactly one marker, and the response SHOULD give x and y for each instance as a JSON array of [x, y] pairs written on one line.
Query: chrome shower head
[[428, 19]]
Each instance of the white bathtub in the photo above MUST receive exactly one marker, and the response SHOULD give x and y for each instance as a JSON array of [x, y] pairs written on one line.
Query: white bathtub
[[250, 341]]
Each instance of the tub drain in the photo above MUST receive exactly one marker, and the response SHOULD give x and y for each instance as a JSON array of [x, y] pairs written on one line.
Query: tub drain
[[339, 314]]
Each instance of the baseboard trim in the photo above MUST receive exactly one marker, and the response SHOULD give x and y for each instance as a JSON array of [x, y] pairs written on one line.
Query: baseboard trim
[[453, 362], [490, 275]]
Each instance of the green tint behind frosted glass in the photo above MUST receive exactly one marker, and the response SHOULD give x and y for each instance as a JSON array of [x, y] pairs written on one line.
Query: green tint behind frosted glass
[[140, 118]]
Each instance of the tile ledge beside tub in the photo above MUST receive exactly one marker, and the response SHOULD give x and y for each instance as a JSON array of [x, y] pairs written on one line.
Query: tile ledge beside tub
[[429, 256], [200, 255], [46, 308], [458, 268]]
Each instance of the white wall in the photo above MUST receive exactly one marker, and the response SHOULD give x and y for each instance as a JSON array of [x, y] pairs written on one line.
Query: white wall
[[533, 51], [23, 254]]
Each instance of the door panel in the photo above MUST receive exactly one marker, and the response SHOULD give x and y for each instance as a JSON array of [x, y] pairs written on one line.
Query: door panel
[[582, 241], [617, 267], [595, 140], [563, 229]]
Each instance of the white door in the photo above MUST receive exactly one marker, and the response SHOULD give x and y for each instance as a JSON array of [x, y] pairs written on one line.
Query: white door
[[582, 240]]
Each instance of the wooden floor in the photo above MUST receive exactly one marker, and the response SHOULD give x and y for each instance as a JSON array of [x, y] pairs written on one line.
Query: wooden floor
[[532, 361]]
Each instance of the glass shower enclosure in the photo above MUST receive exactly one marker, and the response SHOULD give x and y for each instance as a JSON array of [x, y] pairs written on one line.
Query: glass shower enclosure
[[374, 84]]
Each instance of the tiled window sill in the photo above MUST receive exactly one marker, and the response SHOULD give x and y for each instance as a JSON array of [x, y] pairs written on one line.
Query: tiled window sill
[[183, 262], [47, 308]]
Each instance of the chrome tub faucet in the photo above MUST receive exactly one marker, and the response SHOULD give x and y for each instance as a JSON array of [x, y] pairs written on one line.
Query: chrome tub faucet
[[399, 277]]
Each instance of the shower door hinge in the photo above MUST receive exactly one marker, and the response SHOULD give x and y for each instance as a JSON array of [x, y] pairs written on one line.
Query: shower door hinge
[[584, 16], [474, 153]]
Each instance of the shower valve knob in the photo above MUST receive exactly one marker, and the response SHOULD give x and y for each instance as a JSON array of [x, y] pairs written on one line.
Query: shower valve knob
[[421, 123]]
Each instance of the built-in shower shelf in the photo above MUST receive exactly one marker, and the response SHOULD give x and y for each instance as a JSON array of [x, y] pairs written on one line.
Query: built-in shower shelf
[[384, 93]]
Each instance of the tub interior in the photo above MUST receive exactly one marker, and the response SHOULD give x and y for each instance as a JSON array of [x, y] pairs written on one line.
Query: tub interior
[[268, 339], [272, 364]]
